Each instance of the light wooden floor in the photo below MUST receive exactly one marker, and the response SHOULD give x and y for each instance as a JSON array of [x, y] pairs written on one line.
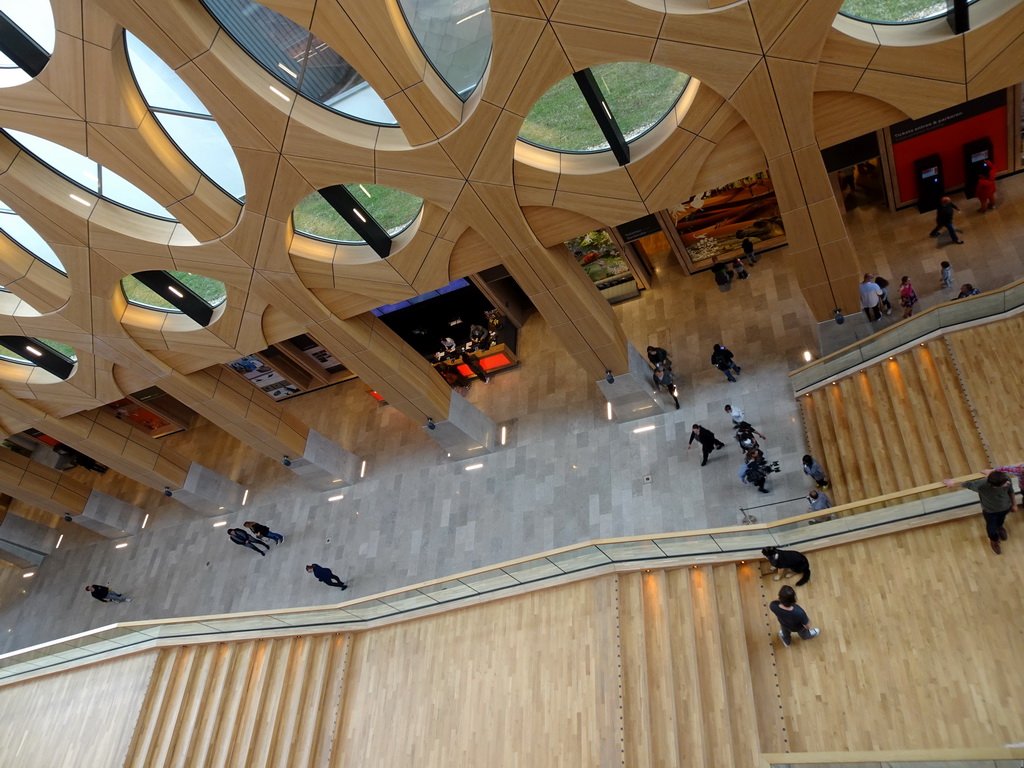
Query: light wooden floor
[[920, 637], [80, 719]]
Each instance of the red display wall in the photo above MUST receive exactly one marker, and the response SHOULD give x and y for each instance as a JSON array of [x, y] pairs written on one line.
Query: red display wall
[[947, 142]]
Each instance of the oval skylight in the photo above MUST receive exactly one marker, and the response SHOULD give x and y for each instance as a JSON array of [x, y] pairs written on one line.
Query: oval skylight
[[898, 12], [300, 60], [455, 37], [184, 118], [54, 357], [638, 96], [20, 232], [392, 209], [213, 292], [89, 175], [31, 40]]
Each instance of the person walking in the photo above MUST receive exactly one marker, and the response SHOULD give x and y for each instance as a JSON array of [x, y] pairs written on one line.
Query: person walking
[[997, 501], [721, 358], [244, 539], [106, 594], [947, 274], [815, 471], [792, 618], [870, 294], [735, 414], [908, 298], [741, 270], [883, 300], [659, 356], [944, 219], [818, 500], [706, 438], [663, 383], [264, 532], [326, 575], [985, 191], [745, 437]]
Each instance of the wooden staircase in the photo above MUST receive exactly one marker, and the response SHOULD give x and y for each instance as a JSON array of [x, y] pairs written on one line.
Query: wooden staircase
[[699, 687], [258, 704], [903, 422]]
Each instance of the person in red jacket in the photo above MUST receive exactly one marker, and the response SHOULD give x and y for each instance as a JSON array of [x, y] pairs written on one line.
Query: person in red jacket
[[986, 189]]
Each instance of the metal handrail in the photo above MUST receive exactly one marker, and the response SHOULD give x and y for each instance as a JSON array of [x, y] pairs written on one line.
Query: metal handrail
[[913, 506], [932, 322]]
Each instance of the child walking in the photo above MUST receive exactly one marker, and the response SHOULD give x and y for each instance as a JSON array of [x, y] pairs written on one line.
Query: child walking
[[907, 296], [947, 274]]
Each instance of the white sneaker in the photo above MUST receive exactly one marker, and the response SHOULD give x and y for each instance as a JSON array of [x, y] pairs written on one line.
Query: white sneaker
[[786, 641], [127, 599], [777, 577], [813, 633]]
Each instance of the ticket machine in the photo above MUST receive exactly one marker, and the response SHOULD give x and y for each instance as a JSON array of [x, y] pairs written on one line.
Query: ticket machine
[[976, 153], [930, 184]]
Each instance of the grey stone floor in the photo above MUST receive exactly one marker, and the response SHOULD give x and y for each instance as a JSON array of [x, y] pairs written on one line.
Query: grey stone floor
[[567, 476]]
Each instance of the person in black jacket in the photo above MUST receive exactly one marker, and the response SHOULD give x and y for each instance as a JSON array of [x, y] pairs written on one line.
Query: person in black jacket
[[944, 219], [721, 358], [706, 438], [106, 594], [263, 532], [244, 539], [326, 576], [659, 356]]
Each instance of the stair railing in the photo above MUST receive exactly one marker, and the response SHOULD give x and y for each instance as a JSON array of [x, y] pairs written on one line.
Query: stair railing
[[932, 322], [880, 515]]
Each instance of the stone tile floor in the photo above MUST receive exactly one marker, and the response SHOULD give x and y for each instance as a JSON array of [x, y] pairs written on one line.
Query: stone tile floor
[[567, 475]]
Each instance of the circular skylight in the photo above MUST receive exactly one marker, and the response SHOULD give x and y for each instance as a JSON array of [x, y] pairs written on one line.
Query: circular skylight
[[635, 95], [213, 292], [16, 228], [391, 209], [300, 60], [895, 11], [89, 175], [454, 36], [184, 118], [32, 37]]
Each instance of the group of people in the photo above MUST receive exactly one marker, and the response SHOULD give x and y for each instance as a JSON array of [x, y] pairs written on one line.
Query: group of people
[[252, 539], [874, 296], [721, 358]]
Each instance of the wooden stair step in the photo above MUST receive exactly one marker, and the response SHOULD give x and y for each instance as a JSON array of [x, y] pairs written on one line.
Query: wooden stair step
[[956, 399], [241, 658], [739, 688], [274, 685], [771, 725], [637, 733], [195, 693], [830, 449], [714, 691], [686, 677], [849, 462], [148, 721], [883, 476], [212, 704], [331, 695], [923, 412], [865, 444], [915, 461], [253, 687]]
